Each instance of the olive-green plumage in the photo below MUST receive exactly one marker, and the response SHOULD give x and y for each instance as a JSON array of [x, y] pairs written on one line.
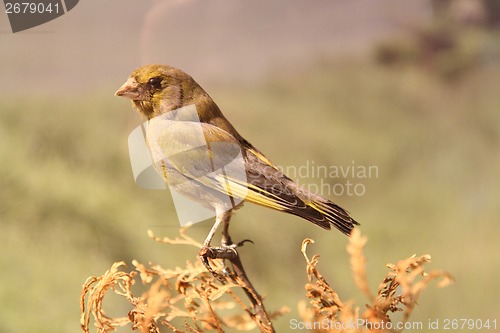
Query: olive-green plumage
[[158, 91]]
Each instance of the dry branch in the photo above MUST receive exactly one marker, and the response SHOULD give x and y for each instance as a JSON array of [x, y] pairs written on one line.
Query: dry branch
[[190, 299]]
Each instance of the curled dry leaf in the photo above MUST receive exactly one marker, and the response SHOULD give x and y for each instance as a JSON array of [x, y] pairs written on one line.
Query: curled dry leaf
[[182, 299], [398, 291], [190, 299]]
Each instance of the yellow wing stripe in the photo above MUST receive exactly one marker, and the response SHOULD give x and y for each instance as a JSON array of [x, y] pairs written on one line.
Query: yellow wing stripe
[[317, 207], [249, 192], [262, 158]]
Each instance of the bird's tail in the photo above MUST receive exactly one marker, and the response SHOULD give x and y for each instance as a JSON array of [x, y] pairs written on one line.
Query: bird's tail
[[325, 213], [290, 199]]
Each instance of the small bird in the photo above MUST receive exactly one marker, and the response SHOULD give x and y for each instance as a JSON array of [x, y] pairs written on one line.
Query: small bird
[[162, 94]]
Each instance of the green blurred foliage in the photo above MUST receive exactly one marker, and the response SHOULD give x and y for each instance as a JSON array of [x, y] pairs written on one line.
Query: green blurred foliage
[[69, 206]]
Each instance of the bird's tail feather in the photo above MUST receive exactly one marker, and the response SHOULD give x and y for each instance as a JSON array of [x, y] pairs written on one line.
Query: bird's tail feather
[[331, 214], [313, 208]]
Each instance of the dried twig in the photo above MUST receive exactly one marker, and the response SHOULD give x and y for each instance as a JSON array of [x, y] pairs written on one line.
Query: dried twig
[[183, 299], [399, 291], [190, 299]]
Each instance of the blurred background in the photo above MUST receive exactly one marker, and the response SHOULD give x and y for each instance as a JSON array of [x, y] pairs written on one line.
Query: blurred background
[[410, 87]]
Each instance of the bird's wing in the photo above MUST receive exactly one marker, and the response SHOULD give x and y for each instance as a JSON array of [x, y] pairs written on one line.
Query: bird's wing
[[278, 191], [200, 153], [210, 156]]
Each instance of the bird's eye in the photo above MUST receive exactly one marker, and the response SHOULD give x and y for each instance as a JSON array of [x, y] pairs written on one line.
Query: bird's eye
[[155, 82]]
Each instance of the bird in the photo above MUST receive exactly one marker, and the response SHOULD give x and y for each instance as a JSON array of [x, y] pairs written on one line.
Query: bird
[[191, 141]]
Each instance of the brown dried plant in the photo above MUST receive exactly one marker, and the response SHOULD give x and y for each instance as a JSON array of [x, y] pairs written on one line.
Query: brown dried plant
[[190, 299], [183, 299], [399, 291]]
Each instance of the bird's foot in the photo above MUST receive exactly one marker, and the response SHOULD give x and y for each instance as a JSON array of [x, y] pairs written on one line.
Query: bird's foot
[[226, 251], [223, 252]]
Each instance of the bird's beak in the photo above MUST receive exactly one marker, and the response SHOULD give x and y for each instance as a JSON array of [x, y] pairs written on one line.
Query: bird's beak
[[130, 89]]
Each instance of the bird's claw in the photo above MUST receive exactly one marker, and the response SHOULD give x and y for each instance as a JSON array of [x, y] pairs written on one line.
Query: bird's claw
[[206, 263], [244, 241], [223, 252]]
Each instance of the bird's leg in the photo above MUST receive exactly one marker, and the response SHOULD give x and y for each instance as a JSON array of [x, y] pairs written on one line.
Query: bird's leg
[[226, 240], [226, 251]]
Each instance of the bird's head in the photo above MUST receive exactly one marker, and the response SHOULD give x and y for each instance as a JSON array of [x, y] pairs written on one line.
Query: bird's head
[[156, 89]]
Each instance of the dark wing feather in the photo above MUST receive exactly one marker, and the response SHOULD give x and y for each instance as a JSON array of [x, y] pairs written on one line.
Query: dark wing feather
[[266, 178]]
